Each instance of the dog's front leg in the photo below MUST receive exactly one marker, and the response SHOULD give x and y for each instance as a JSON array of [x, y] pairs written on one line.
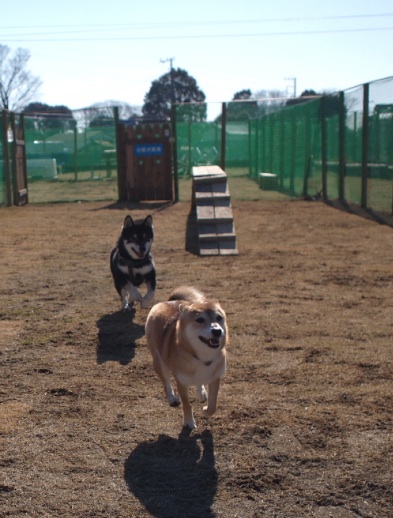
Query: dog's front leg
[[188, 417], [135, 296], [148, 298], [212, 394], [151, 288]]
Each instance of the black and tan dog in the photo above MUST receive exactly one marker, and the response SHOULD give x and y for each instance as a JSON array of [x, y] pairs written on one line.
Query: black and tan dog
[[187, 336], [132, 263]]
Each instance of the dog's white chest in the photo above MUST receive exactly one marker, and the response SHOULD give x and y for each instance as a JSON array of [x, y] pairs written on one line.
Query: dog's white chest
[[202, 375]]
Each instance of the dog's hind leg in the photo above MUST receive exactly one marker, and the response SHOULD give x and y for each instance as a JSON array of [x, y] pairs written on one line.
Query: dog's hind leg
[[211, 407], [201, 393], [188, 417], [165, 376]]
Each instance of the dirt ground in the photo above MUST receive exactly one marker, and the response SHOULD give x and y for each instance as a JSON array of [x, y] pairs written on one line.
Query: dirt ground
[[304, 421]]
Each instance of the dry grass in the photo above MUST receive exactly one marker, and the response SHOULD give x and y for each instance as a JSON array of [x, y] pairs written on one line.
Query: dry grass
[[305, 411]]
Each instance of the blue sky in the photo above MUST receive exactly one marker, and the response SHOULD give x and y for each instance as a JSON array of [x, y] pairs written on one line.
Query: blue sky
[[87, 51]]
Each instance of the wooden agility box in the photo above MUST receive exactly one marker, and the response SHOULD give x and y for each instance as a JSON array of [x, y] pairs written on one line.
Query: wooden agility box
[[212, 203]]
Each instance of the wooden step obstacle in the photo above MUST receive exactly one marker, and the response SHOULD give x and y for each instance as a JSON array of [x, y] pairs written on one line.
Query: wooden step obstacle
[[212, 204]]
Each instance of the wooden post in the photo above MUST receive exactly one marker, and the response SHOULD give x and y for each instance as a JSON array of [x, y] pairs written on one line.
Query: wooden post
[[223, 134], [121, 190], [341, 148], [14, 162], [7, 169]]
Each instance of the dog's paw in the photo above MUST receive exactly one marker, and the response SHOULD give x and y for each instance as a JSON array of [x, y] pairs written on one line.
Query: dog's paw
[[173, 401], [147, 300], [207, 412], [191, 424], [145, 303]]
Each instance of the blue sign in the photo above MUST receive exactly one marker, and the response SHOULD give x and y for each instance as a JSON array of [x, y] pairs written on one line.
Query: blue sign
[[148, 149]]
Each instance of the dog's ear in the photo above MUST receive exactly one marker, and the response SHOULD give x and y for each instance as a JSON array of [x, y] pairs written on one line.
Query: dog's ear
[[183, 308], [128, 221], [148, 221]]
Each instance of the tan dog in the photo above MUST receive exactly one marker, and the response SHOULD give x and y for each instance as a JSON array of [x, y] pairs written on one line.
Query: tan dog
[[187, 336]]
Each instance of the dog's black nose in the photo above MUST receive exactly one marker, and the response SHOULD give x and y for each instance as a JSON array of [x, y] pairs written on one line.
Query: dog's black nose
[[216, 331]]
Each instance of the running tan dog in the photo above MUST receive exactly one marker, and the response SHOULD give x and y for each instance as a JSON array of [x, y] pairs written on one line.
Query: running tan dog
[[187, 336]]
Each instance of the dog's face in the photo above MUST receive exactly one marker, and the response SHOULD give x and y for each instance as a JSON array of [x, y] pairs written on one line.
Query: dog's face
[[137, 236], [204, 326]]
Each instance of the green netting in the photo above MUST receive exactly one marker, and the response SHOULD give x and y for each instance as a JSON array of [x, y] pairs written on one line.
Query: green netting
[[286, 143], [71, 159], [198, 142], [380, 149], [339, 146]]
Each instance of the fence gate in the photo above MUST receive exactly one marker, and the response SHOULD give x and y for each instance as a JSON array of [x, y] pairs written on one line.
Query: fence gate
[[144, 162]]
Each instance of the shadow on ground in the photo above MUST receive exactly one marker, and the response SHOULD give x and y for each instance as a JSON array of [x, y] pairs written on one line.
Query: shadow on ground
[[117, 334], [174, 477], [192, 239]]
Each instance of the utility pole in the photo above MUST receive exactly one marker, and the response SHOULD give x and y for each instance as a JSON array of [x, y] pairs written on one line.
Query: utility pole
[[293, 79], [170, 60]]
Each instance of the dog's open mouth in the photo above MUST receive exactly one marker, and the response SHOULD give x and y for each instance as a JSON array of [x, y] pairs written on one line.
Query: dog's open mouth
[[211, 342], [139, 254]]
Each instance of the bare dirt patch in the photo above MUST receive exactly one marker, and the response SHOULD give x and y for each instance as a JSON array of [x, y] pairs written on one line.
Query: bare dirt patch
[[305, 411]]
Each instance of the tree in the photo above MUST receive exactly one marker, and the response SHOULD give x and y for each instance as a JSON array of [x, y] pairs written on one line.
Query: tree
[[242, 95], [332, 101], [242, 110], [304, 97], [44, 117], [176, 86], [18, 86]]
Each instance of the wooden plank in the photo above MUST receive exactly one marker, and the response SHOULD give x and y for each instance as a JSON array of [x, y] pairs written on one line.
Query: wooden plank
[[205, 212], [228, 248], [209, 248], [216, 231], [215, 236], [223, 212]]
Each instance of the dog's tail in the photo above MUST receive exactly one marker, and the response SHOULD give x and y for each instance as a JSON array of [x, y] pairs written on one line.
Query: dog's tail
[[188, 293]]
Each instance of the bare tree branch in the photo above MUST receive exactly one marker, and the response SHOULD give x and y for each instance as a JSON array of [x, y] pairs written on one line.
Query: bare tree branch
[[18, 87]]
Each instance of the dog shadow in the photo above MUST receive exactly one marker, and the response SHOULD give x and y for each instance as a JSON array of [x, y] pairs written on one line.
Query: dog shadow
[[192, 238], [117, 334], [174, 477]]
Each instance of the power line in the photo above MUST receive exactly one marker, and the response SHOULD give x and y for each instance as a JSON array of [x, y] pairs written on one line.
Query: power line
[[156, 25], [199, 36]]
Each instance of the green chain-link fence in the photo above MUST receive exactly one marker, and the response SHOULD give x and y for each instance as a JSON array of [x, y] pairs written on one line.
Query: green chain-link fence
[[338, 146]]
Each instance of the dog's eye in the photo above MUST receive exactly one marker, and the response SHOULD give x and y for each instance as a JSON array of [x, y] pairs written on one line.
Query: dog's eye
[[200, 320], [219, 318]]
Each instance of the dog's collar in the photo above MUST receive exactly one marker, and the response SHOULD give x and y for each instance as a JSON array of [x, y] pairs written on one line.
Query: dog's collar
[[136, 262], [204, 363]]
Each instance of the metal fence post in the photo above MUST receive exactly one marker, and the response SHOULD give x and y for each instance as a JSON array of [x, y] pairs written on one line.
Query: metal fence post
[[341, 147], [366, 90], [223, 135], [323, 147], [174, 154]]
